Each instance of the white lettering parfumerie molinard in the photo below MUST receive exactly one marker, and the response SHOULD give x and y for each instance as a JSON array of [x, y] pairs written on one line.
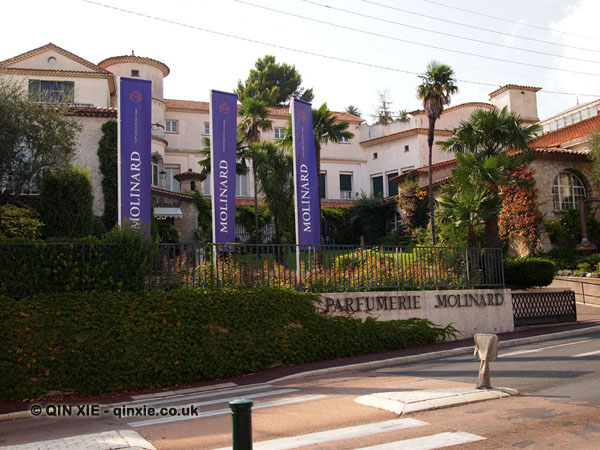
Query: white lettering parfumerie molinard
[[134, 189], [223, 199], [305, 198]]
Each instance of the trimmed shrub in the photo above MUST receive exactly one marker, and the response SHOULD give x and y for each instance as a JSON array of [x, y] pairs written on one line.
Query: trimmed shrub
[[66, 203], [121, 260], [528, 272], [101, 342], [19, 223]]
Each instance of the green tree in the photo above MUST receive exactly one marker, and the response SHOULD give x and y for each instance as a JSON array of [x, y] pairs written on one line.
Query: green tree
[[34, 137], [383, 116], [65, 203], [437, 85], [351, 109], [255, 119], [274, 171], [107, 155], [464, 205], [595, 155], [483, 143], [272, 83], [403, 116]]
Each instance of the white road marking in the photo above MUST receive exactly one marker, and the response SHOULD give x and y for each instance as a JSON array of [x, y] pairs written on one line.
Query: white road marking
[[535, 350], [182, 391], [198, 396], [434, 441], [217, 412], [336, 435], [581, 355], [224, 400]]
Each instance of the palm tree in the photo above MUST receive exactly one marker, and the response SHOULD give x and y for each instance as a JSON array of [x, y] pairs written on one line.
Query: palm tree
[[403, 116], [465, 202], [351, 109], [482, 145], [255, 119], [437, 85], [274, 171]]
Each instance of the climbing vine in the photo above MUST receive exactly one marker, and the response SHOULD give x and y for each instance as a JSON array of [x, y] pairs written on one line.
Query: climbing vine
[[107, 155], [520, 217]]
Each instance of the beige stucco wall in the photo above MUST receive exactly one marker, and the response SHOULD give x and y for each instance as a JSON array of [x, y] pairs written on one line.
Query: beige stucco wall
[[545, 173], [86, 155], [522, 102], [587, 290], [92, 91], [494, 315]]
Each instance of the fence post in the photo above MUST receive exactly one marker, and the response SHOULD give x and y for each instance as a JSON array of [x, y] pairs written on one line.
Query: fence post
[[241, 420]]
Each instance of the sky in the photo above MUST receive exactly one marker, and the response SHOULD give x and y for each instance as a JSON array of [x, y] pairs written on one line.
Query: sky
[[348, 51]]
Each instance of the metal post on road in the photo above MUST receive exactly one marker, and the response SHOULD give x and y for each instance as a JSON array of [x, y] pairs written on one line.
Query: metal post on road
[[241, 420]]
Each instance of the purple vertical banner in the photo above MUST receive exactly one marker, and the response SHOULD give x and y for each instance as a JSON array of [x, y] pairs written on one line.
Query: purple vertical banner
[[308, 216], [134, 154], [223, 143]]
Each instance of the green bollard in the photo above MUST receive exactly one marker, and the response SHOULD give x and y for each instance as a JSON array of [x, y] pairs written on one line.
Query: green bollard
[[241, 419]]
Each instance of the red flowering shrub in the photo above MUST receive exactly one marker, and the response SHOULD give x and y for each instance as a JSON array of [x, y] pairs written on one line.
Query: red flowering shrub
[[520, 217]]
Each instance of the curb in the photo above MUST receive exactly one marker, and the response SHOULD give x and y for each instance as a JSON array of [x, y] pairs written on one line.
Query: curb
[[435, 355], [376, 364]]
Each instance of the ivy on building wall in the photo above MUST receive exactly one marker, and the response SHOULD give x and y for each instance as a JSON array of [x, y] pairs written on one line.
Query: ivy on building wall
[[520, 217], [107, 154]]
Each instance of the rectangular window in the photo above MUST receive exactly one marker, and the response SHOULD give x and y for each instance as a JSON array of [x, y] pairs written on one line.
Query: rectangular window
[[155, 177], [135, 73], [406, 148], [344, 140], [576, 117], [206, 185], [206, 128], [392, 185], [346, 185], [52, 91], [241, 185], [585, 114], [377, 185], [568, 120], [593, 110], [560, 123], [322, 187], [171, 126], [171, 184], [279, 133]]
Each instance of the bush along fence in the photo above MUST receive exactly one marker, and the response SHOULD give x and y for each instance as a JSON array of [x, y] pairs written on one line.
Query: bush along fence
[[92, 342], [32, 268]]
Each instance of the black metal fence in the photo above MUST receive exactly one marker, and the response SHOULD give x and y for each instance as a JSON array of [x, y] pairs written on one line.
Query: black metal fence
[[535, 308], [31, 268]]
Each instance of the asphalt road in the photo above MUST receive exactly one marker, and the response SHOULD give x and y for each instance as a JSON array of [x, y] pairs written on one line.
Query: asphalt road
[[566, 368]]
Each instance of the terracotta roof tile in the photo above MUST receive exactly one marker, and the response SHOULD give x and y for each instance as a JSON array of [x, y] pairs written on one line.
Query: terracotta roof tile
[[569, 133], [454, 108], [274, 111], [513, 86], [135, 59], [92, 111], [402, 134], [56, 48]]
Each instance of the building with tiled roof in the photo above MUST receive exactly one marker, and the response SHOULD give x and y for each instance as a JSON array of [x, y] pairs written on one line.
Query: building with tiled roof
[[372, 162]]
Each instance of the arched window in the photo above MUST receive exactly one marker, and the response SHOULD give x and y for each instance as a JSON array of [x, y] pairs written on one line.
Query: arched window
[[567, 190]]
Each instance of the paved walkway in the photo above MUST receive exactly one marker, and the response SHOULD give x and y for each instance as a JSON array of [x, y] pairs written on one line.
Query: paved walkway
[[109, 440]]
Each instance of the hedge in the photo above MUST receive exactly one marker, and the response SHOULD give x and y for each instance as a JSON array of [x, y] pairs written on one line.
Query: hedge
[[121, 260], [95, 343], [528, 272]]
